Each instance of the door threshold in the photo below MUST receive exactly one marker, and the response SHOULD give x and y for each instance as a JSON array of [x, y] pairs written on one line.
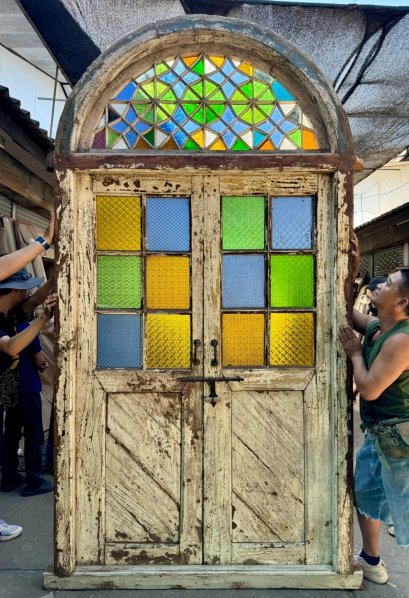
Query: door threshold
[[204, 577]]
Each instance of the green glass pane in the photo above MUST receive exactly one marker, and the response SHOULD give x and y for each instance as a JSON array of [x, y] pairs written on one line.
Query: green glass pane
[[292, 281], [199, 67], [258, 116], [296, 137], [150, 137], [141, 108], [240, 145], [209, 88], [191, 145], [210, 116], [238, 97], [161, 88], [266, 109], [169, 96], [161, 115], [247, 89], [119, 281], [243, 222], [191, 95], [268, 96], [248, 116], [259, 88], [141, 96], [149, 89], [161, 68], [239, 108], [112, 136], [219, 96], [199, 116], [198, 89], [189, 108]]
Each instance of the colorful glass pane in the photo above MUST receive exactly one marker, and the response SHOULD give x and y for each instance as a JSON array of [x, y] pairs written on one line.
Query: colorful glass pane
[[243, 222], [243, 339], [119, 341], [204, 102], [292, 339], [243, 284], [292, 222], [119, 282], [292, 281], [167, 224], [167, 282], [118, 223], [168, 341]]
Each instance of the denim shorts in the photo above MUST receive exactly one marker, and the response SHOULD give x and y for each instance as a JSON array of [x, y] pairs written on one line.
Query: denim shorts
[[380, 493]]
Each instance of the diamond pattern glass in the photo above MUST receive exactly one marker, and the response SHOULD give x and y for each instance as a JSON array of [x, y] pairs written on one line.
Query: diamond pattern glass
[[243, 339], [204, 102], [243, 283], [167, 224], [292, 281], [119, 282], [292, 339], [243, 222], [168, 341], [292, 222], [119, 341], [118, 223], [167, 282]]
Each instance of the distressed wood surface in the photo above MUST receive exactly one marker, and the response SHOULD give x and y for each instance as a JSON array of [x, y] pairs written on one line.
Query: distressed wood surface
[[197, 577], [274, 183], [141, 554], [318, 397], [274, 553], [130, 183]]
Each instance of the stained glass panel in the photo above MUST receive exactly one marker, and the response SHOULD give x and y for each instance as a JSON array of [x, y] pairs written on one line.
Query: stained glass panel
[[292, 339], [119, 282], [204, 102], [292, 222], [167, 282], [243, 281], [243, 222], [119, 341], [292, 281], [167, 224], [243, 339], [168, 341], [118, 223]]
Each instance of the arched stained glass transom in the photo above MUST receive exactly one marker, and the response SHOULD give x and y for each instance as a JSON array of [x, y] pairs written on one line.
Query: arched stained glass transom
[[204, 102]]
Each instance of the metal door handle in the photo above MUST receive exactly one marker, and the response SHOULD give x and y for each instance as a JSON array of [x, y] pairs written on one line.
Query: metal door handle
[[196, 345], [214, 344]]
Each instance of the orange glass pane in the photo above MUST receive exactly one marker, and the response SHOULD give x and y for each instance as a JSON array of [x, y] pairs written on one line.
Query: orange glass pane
[[243, 339], [309, 141], [168, 341], [119, 223], [167, 282], [292, 339]]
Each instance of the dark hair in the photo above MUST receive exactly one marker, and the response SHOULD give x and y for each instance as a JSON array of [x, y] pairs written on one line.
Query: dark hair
[[5, 291], [404, 284]]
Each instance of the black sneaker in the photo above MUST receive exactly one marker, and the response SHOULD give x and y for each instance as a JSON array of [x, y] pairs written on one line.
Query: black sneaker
[[42, 488], [18, 481]]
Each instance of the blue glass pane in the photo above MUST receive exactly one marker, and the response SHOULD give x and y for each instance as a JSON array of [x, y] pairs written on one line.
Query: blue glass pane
[[243, 281], [167, 224], [292, 223], [119, 341]]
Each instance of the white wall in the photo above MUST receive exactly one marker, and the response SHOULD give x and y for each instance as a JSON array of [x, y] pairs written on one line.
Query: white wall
[[384, 190], [27, 84]]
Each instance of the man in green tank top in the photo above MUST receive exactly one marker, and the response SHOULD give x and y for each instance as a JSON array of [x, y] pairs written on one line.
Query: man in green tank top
[[381, 373]]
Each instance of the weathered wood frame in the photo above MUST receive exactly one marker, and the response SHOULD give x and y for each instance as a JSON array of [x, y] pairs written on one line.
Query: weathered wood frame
[[74, 167]]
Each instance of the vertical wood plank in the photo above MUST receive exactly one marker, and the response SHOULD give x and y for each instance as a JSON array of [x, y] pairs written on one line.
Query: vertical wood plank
[[317, 398], [217, 419], [65, 378], [90, 429]]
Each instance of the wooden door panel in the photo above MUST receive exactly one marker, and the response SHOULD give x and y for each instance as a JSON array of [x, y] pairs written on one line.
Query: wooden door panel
[[267, 467], [143, 468]]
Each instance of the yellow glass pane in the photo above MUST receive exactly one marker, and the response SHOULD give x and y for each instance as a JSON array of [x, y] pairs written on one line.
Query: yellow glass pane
[[292, 339], [168, 341], [119, 223], [167, 282], [243, 339]]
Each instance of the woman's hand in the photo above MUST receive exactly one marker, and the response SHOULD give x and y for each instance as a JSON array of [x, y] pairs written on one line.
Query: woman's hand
[[351, 344], [49, 231]]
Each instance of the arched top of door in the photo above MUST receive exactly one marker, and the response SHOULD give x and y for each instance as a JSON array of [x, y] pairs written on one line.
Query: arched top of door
[[203, 84]]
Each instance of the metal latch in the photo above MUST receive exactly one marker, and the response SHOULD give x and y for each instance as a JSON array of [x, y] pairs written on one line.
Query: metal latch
[[213, 398]]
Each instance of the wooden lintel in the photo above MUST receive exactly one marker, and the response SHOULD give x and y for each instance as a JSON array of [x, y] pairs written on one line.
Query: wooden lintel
[[206, 161], [24, 183]]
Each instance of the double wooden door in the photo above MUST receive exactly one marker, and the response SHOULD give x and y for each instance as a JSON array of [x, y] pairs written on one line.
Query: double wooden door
[[203, 384]]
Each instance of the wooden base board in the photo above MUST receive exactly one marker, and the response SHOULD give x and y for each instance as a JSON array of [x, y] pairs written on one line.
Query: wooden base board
[[203, 577]]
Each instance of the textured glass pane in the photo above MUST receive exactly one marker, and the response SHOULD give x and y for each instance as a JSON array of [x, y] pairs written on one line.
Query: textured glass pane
[[167, 224], [167, 282], [168, 341], [204, 102], [119, 281], [292, 222], [119, 223], [119, 341], [243, 281], [243, 339], [243, 222], [292, 281], [292, 339]]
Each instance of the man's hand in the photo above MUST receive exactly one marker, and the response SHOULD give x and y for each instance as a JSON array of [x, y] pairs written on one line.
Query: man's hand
[[351, 344], [355, 256], [49, 231], [49, 304]]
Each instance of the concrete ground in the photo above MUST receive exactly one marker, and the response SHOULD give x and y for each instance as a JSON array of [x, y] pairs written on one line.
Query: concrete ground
[[23, 560]]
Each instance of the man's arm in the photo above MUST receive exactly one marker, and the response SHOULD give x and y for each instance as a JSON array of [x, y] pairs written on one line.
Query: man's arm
[[392, 360], [39, 296], [361, 321]]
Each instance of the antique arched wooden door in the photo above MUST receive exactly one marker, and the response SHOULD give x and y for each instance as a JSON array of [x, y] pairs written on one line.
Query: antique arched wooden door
[[199, 265]]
